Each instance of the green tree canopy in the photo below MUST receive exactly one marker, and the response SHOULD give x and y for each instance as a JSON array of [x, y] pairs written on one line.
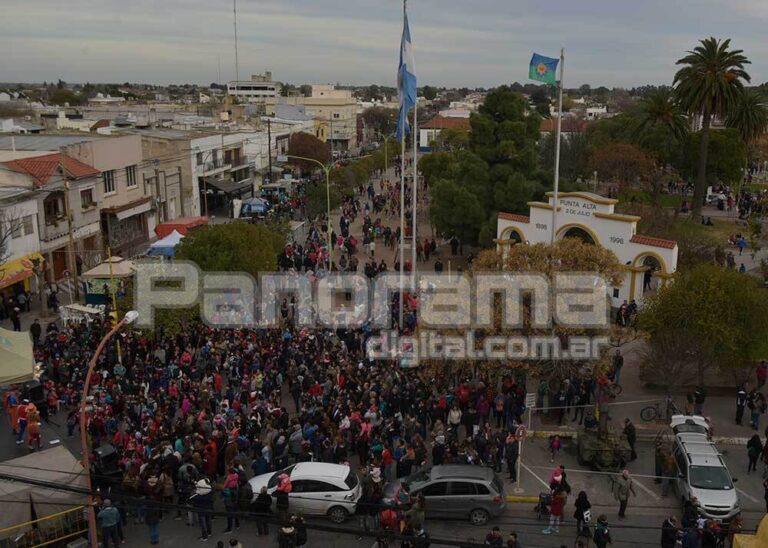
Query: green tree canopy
[[719, 316], [234, 247], [726, 156], [501, 156]]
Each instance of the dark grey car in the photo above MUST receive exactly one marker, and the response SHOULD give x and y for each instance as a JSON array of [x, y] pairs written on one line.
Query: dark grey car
[[454, 491]]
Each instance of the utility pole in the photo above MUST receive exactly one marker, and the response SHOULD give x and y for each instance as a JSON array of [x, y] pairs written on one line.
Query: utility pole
[[72, 261], [269, 148], [237, 63]]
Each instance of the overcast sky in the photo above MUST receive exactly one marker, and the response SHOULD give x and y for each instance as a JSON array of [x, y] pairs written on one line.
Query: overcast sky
[[456, 42]]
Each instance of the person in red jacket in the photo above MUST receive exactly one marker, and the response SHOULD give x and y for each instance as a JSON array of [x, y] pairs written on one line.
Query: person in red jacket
[[556, 510]]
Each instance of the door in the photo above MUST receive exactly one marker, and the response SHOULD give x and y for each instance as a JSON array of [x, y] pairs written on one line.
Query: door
[[312, 497], [462, 497], [436, 499]]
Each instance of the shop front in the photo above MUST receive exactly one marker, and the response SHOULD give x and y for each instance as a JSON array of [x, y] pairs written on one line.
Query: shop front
[[18, 275]]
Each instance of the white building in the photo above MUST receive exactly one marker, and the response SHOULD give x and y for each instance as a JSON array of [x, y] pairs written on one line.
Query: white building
[[20, 236], [596, 112], [647, 261], [256, 90]]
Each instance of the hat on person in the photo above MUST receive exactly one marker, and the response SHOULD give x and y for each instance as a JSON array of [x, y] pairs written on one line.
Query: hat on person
[[558, 477]]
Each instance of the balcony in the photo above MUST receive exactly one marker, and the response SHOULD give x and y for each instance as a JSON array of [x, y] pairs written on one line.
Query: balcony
[[214, 167]]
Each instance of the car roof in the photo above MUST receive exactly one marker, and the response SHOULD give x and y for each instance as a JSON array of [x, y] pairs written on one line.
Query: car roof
[[314, 470], [707, 460], [461, 471]]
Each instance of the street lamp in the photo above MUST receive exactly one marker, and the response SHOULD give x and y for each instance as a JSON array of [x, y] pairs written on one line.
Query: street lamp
[[386, 138], [327, 168], [130, 317]]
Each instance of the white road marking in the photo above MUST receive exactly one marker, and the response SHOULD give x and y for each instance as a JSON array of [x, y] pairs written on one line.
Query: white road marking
[[544, 483], [644, 488], [746, 496]]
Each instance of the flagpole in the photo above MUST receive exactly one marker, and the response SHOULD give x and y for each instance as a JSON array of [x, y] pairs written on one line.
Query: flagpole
[[402, 218], [414, 243], [557, 147], [402, 205]]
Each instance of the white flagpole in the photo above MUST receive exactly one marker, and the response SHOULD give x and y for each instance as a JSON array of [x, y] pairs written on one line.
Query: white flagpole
[[414, 243], [557, 147], [402, 205]]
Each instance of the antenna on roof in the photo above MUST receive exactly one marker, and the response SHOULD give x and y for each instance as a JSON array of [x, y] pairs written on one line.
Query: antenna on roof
[[237, 64]]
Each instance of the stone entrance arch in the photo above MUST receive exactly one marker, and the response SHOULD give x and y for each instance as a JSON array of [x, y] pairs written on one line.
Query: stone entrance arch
[[582, 232]]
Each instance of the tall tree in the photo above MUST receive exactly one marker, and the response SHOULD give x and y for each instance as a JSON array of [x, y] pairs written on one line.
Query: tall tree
[[749, 115], [660, 110], [708, 84], [308, 146]]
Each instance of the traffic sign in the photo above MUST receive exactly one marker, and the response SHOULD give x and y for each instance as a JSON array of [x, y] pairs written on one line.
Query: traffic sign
[[530, 399]]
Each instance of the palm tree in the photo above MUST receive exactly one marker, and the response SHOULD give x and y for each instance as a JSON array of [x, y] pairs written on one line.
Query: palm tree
[[660, 109], [709, 85], [749, 115]]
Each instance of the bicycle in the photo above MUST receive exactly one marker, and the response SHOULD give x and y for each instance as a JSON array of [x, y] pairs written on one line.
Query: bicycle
[[655, 412]]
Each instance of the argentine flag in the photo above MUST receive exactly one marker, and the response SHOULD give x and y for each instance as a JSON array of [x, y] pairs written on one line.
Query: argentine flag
[[406, 81]]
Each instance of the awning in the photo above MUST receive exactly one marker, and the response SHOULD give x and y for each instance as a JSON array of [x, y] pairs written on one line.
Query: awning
[[17, 362], [231, 187], [17, 270], [136, 210]]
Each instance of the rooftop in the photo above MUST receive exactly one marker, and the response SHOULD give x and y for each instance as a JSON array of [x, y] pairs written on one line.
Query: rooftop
[[45, 142], [42, 168], [441, 122], [654, 242]]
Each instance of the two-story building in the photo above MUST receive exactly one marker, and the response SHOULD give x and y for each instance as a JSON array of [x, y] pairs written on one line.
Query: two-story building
[[334, 111], [19, 234], [67, 193], [127, 212]]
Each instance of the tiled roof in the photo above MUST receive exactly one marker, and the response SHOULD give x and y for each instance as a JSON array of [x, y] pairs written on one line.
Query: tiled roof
[[42, 168], [569, 125], [655, 242], [441, 122], [514, 217]]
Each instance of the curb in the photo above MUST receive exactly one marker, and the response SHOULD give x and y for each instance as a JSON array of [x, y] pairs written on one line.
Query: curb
[[520, 499]]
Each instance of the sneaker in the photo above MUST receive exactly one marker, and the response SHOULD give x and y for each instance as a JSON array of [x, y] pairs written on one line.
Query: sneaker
[[227, 531], [547, 531], [202, 538], [19, 442], [557, 529]]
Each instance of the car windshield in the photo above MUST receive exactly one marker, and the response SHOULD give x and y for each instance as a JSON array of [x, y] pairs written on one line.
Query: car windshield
[[351, 480], [275, 477], [710, 477], [414, 479]]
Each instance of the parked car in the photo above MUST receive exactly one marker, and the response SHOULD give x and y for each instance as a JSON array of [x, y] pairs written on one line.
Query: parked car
[[702, 473], [454, 491], [319, 489]]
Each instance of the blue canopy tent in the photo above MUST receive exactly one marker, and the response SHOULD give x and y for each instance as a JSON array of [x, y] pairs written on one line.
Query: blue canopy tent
[[165, 247]]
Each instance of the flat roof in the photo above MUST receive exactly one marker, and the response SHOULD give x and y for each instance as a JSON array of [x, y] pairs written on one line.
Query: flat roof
[[45, 142]]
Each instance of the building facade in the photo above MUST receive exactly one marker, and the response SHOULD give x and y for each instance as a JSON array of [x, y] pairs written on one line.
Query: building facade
[[19, 242], [126, 209], [648, 262], [334, 111], [258, 89]]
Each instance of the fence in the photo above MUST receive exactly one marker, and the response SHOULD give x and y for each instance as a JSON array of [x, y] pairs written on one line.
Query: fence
[[50, 530]]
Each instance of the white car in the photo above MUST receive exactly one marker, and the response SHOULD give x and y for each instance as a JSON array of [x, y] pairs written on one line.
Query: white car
[[319, 489]]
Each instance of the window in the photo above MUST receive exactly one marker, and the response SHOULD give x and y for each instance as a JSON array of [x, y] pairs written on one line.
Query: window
[[86, 198], [28, 222], [199, 158], [459, 488], [15, 228], [336, 115], [435, 490], [130, 176], [109, 181]]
